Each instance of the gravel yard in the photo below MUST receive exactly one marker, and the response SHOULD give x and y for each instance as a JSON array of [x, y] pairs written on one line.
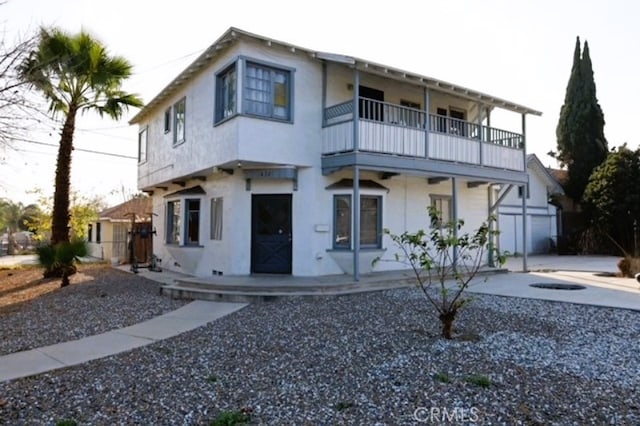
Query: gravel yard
[[368, 359], [99, 299]]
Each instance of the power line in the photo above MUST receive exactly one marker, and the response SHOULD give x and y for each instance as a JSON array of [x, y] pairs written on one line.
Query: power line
[[91, 151]]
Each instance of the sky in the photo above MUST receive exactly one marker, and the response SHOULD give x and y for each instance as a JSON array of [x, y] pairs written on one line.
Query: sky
[[518, 50]]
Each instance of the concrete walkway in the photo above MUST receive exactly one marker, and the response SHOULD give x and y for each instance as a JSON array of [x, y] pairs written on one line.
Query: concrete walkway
[[188, 317], [584, 270]]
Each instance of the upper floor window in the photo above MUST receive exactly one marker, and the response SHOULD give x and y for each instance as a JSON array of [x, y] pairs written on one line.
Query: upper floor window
[[179, 113], [526, 188], [142, 145], [267, 91], [226, 93], [167, 120]]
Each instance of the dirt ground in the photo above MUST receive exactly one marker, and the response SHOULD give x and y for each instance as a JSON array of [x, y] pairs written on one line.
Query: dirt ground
[[23, 284]]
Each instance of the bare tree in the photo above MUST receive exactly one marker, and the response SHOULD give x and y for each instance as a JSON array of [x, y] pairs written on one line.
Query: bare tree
[[17, 107]]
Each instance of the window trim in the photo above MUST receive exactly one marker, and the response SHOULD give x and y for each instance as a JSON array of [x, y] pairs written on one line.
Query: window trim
[[290, 86], [218, 116], [379, 221], [176, 141], [144, 131]]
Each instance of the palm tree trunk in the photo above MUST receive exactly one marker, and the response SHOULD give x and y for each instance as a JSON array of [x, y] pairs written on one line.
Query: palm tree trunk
[[61, 216]]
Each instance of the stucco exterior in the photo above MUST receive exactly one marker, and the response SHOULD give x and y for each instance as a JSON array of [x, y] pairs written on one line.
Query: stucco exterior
[[240, 161]]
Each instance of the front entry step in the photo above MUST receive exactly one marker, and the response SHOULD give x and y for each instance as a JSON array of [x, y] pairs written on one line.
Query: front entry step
[[258, 288]]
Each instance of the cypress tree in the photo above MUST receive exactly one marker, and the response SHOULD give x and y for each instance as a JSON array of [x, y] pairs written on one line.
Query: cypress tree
[[580, 132]]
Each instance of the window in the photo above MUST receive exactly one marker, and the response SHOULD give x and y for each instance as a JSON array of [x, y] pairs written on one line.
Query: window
[[173, 222], [142, 145], [90, 232], [342, 225], [98, 232], [267, 92], [520, 191], [370, 221], [192, 230], [216, 218], [167, 120], [226, 93], [179, 111], [442, 204]]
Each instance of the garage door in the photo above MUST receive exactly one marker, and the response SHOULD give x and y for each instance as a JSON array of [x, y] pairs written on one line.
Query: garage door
[[508, 233], [540, 234]]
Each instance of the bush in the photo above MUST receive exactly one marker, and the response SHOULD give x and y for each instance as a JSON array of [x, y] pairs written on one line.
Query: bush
[[629, 266], [59, 260]]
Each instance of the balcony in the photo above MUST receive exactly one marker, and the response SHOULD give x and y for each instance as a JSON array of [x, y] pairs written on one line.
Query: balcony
[[396, 130]]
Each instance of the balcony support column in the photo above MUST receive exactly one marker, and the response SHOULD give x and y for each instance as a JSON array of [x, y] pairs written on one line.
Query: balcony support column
[[525, 194], [427, 123], [356, 223], [324, 94], [356, 109], [480, 138], [454, 212]]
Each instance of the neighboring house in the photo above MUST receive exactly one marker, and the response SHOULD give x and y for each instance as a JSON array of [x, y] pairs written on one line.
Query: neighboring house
[[109, 237], [265, 157], [543, 224]]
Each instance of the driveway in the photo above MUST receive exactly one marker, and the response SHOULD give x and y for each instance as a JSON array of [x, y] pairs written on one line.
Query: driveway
[[548, 263]]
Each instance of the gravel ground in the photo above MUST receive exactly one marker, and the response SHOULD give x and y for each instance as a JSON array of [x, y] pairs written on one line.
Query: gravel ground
[[368, 359], [100, 299]]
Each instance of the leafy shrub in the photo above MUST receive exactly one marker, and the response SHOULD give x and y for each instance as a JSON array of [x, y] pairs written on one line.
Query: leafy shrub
[[59, 260], [231, 418]]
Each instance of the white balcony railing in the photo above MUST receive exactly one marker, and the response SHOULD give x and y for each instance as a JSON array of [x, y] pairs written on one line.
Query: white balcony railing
[[397, 130]]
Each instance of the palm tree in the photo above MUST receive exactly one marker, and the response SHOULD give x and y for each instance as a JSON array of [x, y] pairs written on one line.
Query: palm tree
[[75, 74]]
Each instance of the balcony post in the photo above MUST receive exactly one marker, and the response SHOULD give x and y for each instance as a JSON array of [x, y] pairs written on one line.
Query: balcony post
[[324, 94], [427, 123], [480, 108], [454, 211], [356, 109], [525, 193], [356, 223]]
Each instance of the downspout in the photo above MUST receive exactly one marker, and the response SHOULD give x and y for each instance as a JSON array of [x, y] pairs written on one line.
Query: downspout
[[356, 177], [525, 193]]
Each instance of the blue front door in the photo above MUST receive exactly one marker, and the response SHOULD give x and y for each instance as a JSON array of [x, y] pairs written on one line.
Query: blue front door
[[271, 234]]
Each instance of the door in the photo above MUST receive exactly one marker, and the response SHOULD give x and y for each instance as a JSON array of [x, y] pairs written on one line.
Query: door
[[368, 108], [271, 234]]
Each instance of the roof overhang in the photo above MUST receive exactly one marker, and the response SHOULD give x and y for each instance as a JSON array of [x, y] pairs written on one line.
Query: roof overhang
[[233, 34]]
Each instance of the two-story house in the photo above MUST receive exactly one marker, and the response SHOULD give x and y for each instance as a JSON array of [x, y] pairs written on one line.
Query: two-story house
[[265, 157]]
